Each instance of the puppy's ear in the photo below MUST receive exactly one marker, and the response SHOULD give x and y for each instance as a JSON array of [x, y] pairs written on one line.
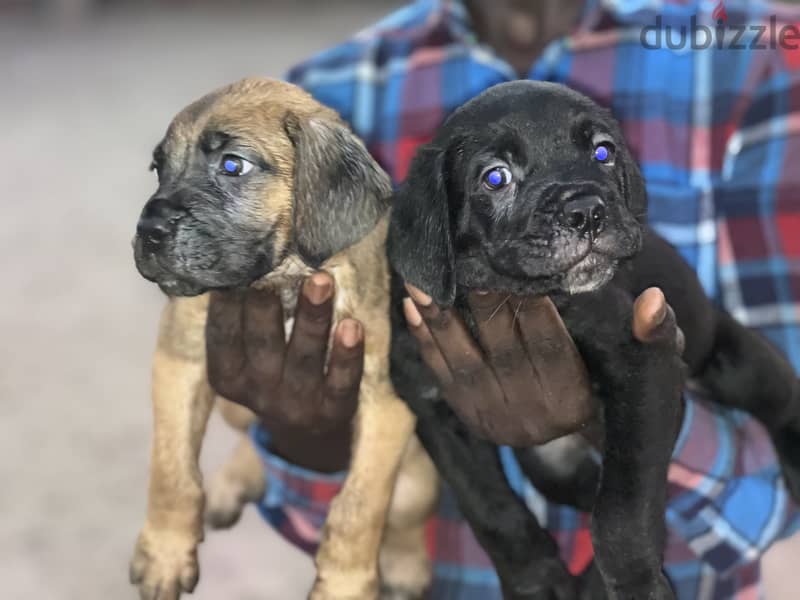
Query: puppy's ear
[[634, 187], [340, 192], [420, 242]]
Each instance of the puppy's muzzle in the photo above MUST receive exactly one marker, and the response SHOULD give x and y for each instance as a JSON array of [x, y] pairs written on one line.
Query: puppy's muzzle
[[157, 222], [585, 214]]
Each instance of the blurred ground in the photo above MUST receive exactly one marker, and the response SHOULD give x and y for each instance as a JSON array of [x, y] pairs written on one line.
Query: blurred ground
[[83, 102]]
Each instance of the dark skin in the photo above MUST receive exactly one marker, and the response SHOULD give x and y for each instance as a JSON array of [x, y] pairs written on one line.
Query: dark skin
[[519, 30], [304, 405], [308, 406]]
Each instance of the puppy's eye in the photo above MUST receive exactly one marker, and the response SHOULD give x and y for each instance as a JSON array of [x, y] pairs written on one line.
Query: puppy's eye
[[497, 178], [235, 166], [604, 153]]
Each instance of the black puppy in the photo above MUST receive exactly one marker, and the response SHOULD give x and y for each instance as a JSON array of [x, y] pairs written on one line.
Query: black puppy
[[530, 189]]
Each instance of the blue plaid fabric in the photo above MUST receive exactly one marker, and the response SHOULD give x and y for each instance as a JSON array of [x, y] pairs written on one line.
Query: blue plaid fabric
[[717, 133]]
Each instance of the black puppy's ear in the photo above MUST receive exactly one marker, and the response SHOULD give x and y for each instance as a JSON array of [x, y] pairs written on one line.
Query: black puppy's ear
[[420, 242], [340, 192], [634, 187]]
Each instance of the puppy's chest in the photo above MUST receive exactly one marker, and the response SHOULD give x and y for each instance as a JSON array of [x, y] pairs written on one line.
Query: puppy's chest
[[287, 283]]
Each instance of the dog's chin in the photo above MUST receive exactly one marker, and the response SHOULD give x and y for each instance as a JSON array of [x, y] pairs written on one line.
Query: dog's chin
[[175, 280], [588, 275], [175, 287], [170, 284]]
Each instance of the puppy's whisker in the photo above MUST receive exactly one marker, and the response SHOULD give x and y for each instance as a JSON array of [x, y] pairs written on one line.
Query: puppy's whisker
[[497, 310], [516, 313]]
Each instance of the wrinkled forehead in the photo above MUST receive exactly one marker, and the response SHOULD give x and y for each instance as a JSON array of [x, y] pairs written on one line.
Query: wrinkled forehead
[[528, 108], [532, 132], [219, 119], [520, 135]]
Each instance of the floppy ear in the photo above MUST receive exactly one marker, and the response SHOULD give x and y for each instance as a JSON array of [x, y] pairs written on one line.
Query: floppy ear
[[340, 192], [420, 243], [634, 187]]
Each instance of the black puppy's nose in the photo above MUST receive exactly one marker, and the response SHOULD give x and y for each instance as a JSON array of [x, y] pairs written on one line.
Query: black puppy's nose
[[157, 220], [585, 214]]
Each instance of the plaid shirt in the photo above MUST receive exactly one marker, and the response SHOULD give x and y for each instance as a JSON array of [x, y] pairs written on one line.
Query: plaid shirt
[[717, 133]]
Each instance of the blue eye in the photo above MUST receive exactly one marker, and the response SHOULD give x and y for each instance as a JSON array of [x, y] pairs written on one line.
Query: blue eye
[[235, 165], [497, 178], [604, 153]]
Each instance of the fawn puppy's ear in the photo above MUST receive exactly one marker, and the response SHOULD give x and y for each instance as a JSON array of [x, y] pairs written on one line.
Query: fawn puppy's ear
[[340, 192]]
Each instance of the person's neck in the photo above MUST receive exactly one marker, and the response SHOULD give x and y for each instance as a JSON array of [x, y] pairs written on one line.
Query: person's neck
[[519, 30]]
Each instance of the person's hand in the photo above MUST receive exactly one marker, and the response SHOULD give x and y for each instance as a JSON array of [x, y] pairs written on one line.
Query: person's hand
[[523, 382], [306, 406]]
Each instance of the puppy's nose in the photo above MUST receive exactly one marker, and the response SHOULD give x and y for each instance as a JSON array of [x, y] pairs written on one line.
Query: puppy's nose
[[157, 221], [585, 214]]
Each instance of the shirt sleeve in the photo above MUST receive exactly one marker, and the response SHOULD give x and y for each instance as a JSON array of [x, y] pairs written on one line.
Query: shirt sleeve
[[727, 501], [726, 504], [297, 500]]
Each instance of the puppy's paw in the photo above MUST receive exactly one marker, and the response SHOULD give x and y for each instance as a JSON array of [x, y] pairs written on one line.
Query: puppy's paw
[[546, 579], [225, 500], [787, 446], [164, 564]]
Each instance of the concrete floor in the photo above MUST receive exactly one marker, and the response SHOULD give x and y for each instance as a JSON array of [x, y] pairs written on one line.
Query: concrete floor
[[83, 102]]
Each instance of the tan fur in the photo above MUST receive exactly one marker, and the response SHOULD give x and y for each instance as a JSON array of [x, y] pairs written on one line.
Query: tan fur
[[239, 481], [347, 561]]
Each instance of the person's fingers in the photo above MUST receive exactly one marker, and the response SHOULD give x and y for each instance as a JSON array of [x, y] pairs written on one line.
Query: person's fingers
[[495, 318], [655, 321], [345, 367], [304, 362], [225, 355], [428, 348], [649, 312], [264, 336], [551, 349], [459, 349], [474, 385], [419, 297]]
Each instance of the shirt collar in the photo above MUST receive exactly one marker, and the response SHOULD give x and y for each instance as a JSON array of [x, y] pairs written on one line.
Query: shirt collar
[[595, 13]]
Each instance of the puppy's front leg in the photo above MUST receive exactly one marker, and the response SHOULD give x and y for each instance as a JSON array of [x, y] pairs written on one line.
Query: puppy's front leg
[[525, 555], [642, 386], [347, 557], [165, 560], [241, 479], [405, 566]]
